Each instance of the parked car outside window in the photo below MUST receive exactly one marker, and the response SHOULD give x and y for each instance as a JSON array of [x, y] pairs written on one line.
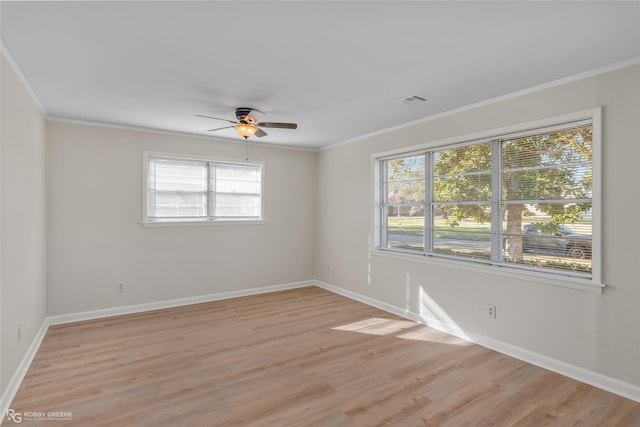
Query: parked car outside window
[[557, 239]]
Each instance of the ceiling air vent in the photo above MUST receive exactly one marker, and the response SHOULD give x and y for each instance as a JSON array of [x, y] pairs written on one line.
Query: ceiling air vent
[[413, 100]]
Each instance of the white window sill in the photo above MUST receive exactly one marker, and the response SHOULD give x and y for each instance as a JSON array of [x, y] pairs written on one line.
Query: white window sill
[[202, 223], [586, 285]]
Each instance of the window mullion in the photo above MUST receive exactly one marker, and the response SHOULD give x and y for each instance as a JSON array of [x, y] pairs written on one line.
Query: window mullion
[[496, 197]]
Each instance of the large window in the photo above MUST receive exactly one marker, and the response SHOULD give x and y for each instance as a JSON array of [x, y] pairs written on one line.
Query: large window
[[518, 200], [180, 189]]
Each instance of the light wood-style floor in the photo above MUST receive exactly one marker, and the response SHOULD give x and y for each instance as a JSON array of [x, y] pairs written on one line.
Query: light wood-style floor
[[303, 357]]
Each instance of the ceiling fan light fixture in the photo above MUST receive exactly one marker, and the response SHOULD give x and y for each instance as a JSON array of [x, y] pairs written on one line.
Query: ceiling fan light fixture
[[246, 130]]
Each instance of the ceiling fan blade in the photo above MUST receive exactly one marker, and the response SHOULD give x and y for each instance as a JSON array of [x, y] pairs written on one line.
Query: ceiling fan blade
[[278, 125], [225, 127], [216, 118], [260, 133]]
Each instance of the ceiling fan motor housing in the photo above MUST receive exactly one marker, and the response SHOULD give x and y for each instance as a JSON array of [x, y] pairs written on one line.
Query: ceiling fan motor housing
[[242, 114]]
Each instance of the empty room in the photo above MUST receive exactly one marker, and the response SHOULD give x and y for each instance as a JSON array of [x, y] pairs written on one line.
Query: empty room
[[319, 213]]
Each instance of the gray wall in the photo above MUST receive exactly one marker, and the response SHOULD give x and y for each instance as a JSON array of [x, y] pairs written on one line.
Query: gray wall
[[95, 237], [598, 332], [23, 220]]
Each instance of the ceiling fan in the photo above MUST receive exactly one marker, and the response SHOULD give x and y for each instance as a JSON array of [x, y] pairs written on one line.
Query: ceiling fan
[[248, 124]]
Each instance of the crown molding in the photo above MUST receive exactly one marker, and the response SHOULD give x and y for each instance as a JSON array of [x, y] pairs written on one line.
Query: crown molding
[[133, 128], [7, 54]]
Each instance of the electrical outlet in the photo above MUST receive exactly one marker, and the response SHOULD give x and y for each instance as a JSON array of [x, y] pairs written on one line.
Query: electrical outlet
[[19, 332], [491, 311], [120, 287]]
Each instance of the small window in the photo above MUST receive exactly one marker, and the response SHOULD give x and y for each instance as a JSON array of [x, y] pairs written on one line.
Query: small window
[[181, 189]]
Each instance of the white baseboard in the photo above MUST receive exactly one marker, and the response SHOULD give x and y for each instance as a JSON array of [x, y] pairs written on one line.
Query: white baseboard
[[14, 384], [12, 388], [595, 379], [139, 308]]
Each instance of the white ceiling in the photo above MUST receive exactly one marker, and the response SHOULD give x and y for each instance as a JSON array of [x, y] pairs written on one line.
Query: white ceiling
[[336, 68]]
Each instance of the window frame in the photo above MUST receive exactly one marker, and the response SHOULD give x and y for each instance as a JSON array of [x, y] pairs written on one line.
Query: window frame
[[209, 220], [551, 277]]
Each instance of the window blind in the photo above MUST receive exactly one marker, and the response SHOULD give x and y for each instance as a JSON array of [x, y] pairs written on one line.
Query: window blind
[[202, 190]]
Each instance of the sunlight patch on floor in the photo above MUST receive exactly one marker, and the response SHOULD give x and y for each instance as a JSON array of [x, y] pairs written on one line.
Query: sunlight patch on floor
[[427, 334], [378, 326]]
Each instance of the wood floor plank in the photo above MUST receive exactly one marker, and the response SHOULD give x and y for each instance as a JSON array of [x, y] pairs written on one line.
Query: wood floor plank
[[303, 357]]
